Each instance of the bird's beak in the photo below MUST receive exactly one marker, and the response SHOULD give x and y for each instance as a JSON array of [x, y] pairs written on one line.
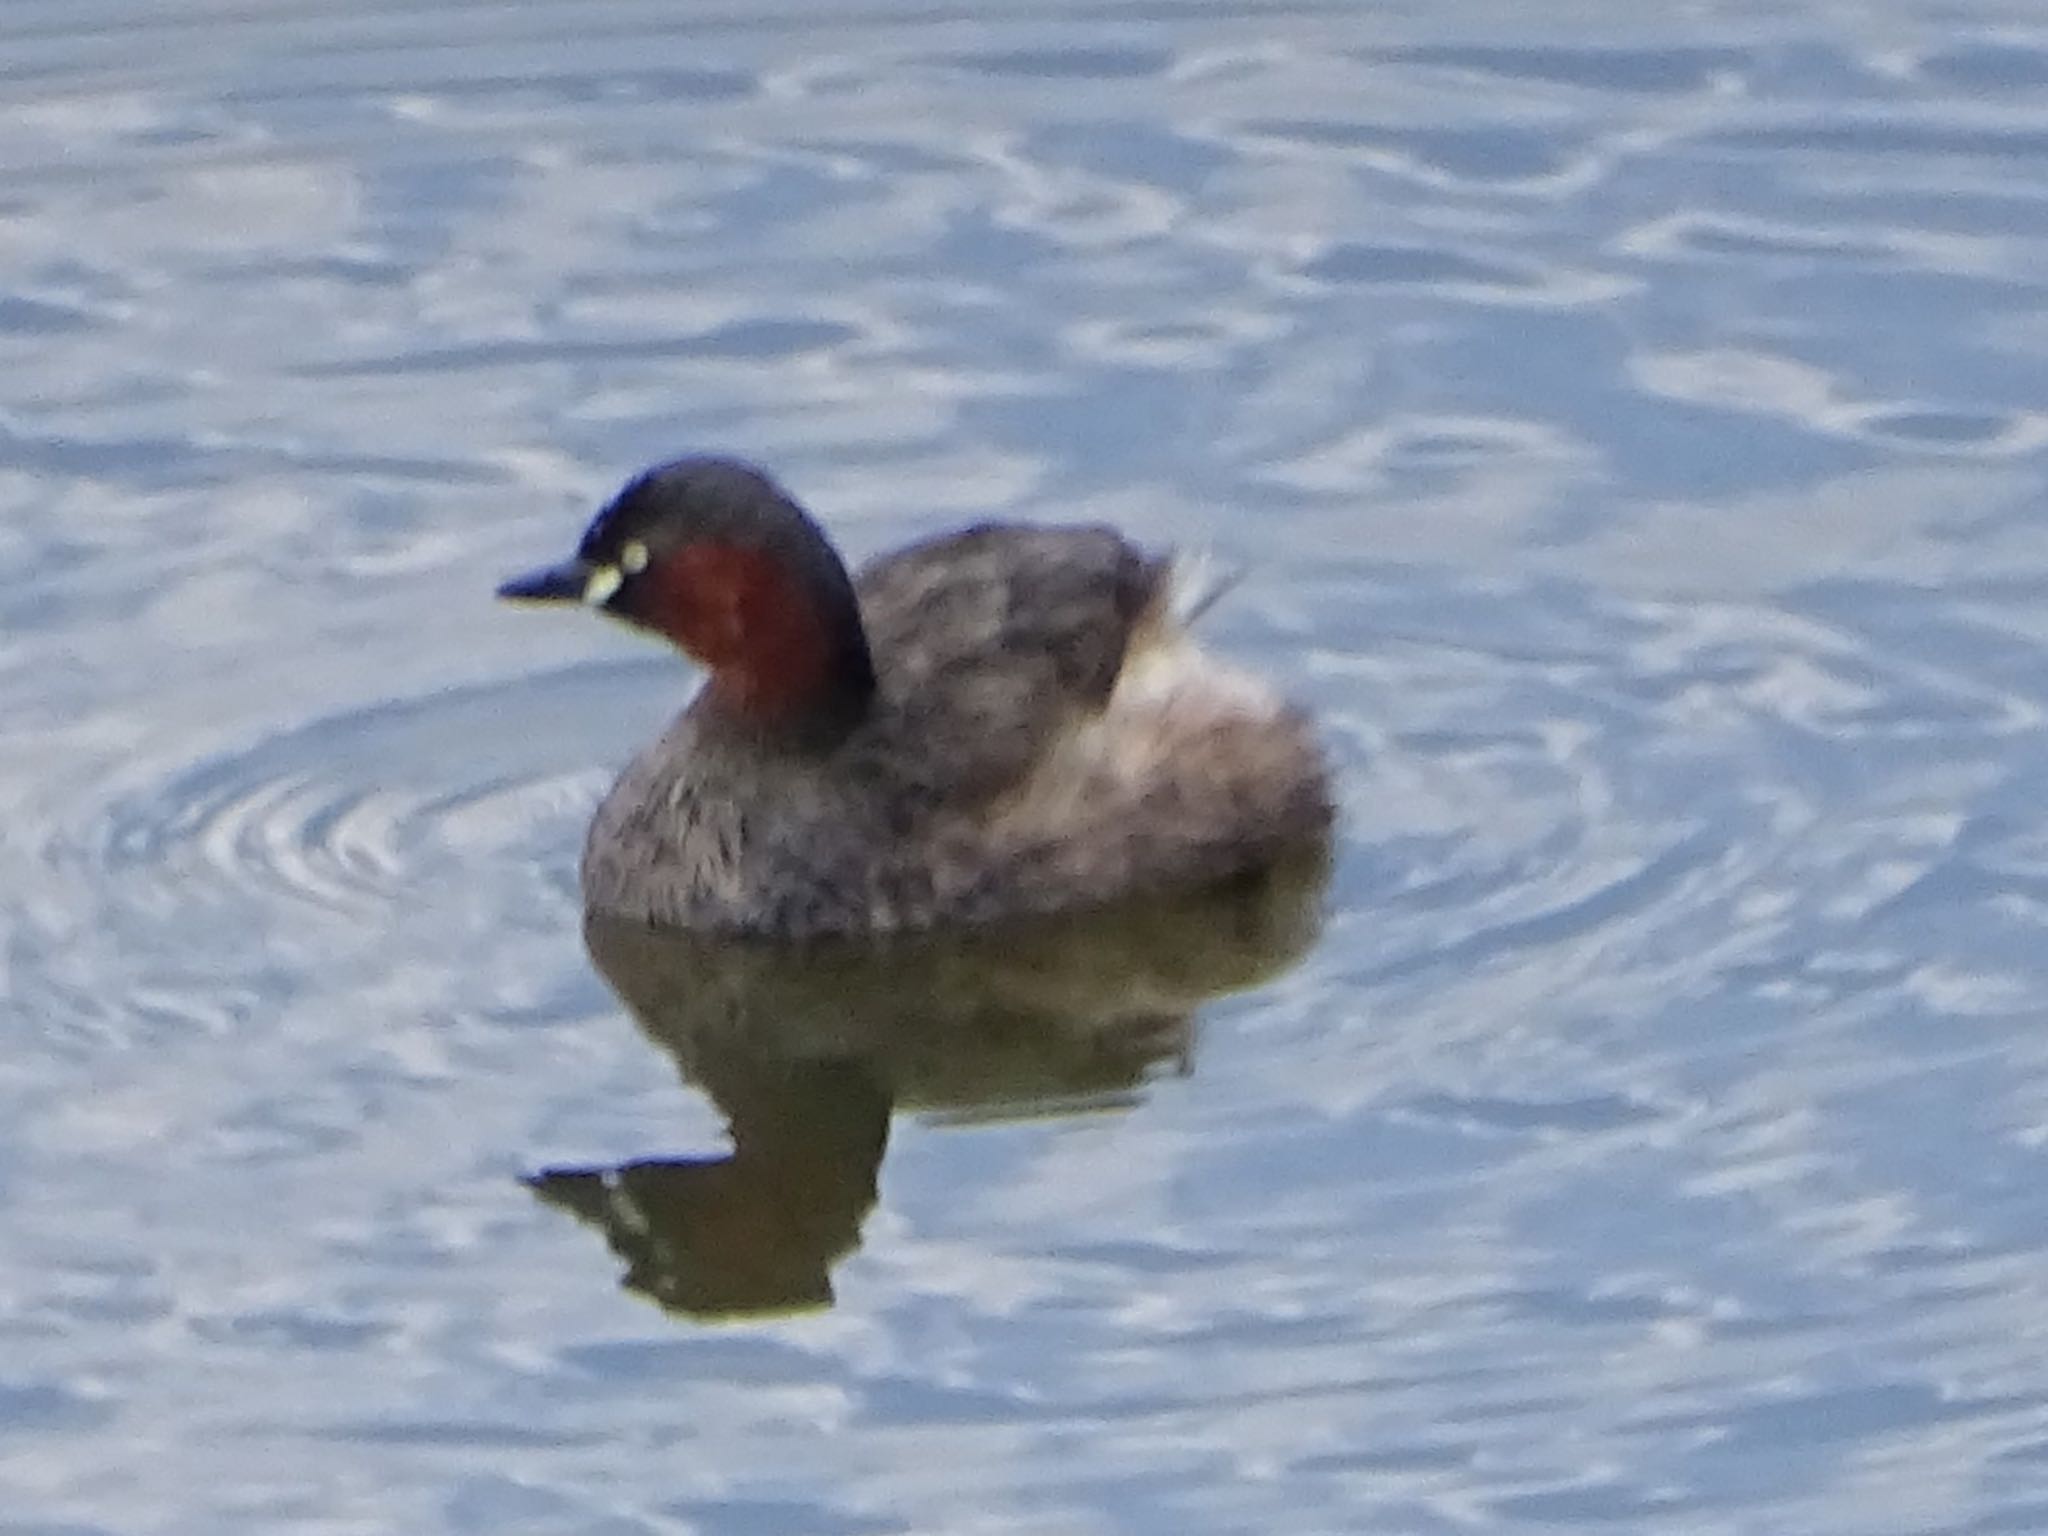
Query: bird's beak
[[573, 581]]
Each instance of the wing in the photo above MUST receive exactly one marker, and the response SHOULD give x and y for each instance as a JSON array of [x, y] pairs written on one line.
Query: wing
[[989, 642]]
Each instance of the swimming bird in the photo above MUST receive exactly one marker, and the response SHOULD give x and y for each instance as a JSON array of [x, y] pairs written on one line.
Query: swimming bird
[[1006, 721]]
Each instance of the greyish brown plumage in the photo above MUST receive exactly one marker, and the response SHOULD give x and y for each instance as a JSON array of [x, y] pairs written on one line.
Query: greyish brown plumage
[[1005, 721]]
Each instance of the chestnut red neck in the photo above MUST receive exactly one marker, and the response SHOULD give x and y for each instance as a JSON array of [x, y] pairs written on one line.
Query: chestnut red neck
[[782, 639]]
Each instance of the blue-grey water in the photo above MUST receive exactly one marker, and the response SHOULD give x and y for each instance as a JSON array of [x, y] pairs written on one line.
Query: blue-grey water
[[1633, 419]]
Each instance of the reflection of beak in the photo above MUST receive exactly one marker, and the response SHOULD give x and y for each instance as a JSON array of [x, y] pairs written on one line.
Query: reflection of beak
[[573, 581]]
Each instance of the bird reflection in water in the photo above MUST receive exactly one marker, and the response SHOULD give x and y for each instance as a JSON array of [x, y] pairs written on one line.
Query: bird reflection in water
[[808, 1051]]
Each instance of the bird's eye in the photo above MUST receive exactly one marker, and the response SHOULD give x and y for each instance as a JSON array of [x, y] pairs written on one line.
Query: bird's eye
[[633, 557]]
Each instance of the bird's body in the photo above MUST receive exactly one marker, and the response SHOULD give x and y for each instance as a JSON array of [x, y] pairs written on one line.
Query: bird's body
[[1003, 722]]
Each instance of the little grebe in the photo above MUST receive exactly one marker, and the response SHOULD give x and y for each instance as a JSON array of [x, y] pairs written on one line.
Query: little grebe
[[996, 723]]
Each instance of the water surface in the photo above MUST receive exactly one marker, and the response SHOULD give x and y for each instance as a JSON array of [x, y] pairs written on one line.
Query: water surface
[[1634, 426]]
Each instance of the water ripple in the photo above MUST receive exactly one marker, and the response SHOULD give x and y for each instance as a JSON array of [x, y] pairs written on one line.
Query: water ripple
[[172, 901], [352, 812]]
